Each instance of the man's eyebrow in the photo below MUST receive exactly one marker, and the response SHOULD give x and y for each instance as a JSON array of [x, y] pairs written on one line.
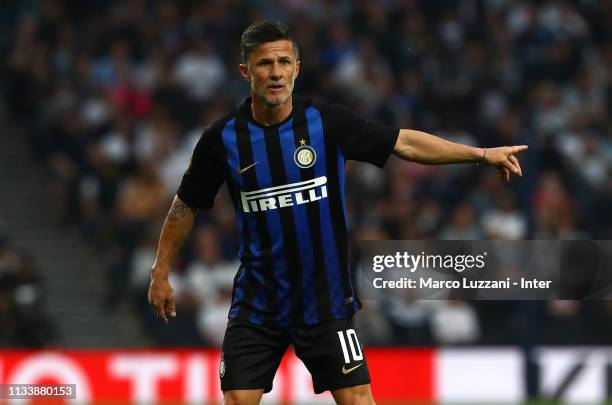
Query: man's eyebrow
[[268, 59]]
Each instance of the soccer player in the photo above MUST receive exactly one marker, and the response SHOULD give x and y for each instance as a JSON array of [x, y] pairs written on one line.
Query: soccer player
[[283, 158]]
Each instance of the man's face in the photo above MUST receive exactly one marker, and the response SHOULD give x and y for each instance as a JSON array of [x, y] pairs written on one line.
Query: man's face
[[271, 69]]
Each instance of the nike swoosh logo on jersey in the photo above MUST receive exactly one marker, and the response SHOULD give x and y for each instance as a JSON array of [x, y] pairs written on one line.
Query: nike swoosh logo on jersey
[[349, 370], [240, 171]]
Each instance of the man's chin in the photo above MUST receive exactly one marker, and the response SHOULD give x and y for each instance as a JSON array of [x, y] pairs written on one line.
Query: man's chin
[[275, 101], [272, 103]]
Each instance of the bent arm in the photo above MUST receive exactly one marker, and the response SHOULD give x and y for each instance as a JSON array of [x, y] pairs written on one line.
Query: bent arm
[[421, 147], [177, 226]]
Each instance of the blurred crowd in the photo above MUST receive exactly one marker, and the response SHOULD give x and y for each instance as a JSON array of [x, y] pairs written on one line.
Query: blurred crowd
[[115, 94], [23, 319]]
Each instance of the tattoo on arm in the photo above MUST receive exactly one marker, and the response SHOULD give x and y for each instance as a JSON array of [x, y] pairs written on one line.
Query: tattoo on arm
[[178, 211]]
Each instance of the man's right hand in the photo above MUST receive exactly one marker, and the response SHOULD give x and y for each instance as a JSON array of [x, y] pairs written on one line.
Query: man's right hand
[[161, 295]]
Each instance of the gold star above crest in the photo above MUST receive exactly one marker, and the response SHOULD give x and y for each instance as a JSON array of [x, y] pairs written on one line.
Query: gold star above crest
[[302, 142]]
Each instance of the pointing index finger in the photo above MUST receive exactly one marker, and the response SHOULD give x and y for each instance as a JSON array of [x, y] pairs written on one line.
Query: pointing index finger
[[518, 149]]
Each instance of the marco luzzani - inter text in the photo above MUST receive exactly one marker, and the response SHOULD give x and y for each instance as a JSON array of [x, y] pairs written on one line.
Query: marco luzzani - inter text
[[457, 263]]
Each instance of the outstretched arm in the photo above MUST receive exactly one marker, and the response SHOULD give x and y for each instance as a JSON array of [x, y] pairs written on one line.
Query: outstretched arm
[[420, 147], [177, 226]]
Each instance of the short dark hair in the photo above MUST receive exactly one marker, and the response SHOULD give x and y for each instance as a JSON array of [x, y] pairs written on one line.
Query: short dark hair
[[262, 32]]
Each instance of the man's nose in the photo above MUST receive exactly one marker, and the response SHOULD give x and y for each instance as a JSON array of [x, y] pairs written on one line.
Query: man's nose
[[276, 72]]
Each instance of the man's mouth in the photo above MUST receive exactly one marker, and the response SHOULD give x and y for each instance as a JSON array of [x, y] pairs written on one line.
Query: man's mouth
[[276, 88]]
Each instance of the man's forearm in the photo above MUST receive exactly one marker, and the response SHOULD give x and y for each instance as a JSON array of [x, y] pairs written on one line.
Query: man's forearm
[[422, 147], [177, 226]]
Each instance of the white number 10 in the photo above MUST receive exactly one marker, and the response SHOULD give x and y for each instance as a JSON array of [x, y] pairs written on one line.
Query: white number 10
[[351, 336]]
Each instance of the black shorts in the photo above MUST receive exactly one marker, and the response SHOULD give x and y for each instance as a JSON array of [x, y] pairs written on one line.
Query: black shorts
[[331, 352]]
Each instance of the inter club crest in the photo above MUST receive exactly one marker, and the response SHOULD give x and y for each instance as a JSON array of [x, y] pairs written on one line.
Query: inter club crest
[[304, 156]]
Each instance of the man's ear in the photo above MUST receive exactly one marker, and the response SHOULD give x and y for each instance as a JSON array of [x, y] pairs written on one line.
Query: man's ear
[[244, 72]]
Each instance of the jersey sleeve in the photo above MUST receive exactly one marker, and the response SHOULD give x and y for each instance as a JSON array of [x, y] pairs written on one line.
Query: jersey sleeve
[[360, 139], [204, 175]]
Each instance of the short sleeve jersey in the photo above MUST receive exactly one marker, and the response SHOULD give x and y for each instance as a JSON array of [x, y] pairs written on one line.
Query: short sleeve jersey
[[287, 186]]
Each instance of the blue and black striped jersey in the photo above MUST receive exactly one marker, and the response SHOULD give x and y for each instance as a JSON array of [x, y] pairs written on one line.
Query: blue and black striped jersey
[[287, 185]]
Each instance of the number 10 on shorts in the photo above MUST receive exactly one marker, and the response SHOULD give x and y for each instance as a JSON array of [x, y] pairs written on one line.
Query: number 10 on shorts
[[353, 342]]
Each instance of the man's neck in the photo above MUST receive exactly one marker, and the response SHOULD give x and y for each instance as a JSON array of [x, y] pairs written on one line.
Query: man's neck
[[271, 115]]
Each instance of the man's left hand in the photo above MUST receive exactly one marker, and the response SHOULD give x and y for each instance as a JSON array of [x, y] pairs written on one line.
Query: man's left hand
[[504, 159]]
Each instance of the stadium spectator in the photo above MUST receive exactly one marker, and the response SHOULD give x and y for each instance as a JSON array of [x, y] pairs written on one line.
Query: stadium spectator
[[23, 320]]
